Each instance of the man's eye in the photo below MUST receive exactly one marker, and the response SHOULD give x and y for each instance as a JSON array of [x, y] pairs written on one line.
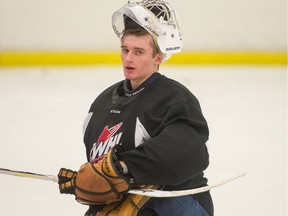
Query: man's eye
[[125, 50], [138, 52]]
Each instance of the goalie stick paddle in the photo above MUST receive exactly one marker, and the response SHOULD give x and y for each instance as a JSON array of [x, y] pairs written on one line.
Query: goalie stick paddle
[[161, 193], [144, 192]]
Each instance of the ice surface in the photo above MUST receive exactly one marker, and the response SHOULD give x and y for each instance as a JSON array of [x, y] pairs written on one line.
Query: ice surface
[[42, 110]]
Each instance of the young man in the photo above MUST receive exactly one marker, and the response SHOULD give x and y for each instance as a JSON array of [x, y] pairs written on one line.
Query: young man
[[145, 130]]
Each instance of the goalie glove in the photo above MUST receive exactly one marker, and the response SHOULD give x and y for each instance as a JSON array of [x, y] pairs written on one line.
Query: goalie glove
[[99, 183]]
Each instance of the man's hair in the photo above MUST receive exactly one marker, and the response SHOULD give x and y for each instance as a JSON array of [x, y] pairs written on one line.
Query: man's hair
[[138, 32]]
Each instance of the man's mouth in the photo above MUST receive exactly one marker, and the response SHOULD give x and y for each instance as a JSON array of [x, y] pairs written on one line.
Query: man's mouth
[[130, 68]]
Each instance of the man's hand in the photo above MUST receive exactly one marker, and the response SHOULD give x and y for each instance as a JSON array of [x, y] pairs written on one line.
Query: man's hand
[[66, 180], [103, 182]]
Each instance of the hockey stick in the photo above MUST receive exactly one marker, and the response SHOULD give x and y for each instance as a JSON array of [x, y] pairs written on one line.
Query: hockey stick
[[144, 192], [161, 193], [28, 174]]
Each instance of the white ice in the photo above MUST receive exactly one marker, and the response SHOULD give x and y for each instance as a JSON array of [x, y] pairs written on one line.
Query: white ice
[[41, 114]]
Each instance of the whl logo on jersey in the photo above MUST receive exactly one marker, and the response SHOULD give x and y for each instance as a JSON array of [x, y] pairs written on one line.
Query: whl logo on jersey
[[107, 139]]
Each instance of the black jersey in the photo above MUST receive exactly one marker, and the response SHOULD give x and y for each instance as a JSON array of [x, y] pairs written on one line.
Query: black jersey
[[161, 128]]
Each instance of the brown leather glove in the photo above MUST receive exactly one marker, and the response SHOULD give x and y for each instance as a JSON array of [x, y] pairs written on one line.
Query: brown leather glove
[[99, 183], [131, 205]]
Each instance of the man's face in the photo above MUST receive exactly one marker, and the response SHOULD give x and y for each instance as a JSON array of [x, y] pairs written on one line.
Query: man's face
[[137, 58]]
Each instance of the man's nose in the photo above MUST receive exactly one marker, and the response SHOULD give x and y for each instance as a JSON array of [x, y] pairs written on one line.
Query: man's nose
[[129, 57]]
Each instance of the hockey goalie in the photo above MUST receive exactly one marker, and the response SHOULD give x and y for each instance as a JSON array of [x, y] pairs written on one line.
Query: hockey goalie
[[145, 131]]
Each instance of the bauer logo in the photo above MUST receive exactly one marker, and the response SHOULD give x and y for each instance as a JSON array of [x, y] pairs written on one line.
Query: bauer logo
[[151, 30], [172, 48], [107, 139]]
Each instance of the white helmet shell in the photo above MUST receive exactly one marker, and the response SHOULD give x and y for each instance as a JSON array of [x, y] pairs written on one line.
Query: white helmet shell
[[155, 16]]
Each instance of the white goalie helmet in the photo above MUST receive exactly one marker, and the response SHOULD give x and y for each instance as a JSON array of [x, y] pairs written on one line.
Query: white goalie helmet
[[155, 16]]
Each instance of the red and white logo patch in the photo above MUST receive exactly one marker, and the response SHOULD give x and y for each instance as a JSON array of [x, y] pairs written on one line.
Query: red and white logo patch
[[107, 139]]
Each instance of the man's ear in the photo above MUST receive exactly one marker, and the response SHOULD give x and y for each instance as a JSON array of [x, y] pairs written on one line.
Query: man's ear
[[158, 59]]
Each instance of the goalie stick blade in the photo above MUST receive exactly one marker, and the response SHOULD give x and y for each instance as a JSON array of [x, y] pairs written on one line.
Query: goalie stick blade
[[159, 193], [28, 175]]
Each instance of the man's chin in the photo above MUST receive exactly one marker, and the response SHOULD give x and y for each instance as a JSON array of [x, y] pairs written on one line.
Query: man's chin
[[129, 75]]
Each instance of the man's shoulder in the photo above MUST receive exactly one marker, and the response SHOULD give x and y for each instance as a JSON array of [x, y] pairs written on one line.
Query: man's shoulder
[[172, 85]]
